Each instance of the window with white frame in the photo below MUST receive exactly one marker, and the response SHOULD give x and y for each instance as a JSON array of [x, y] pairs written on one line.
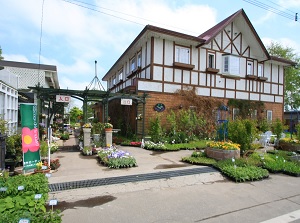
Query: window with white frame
[[132, 64], [114, 80], [235, 113], [260, 70], [231, 64], [182, 54], [269, 115], [249, 67], [211, 60], [139, 59]]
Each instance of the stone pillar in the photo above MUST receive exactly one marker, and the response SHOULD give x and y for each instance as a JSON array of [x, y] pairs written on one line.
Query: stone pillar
[[108, 137], [86, 136]]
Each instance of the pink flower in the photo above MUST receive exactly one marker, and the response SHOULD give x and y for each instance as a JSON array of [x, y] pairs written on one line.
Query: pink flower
[[30, 140]]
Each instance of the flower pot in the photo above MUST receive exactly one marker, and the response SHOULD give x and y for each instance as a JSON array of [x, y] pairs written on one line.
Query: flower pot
[[220, 154], [42, 171], [287, 146], [108, 130]]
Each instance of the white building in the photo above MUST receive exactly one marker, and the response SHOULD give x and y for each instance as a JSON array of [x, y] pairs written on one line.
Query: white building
[[15, 78], [9, 100]]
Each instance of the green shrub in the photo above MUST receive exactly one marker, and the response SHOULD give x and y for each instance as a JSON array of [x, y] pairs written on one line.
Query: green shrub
[[155, 129], [64, 136], [242, 132]]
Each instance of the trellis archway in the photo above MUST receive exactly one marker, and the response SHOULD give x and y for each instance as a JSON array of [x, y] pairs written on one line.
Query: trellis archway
[[48, 95]]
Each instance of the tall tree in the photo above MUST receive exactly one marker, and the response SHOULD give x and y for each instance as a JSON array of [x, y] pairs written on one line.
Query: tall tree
[[1, 57], [75, 114], [292, 75]]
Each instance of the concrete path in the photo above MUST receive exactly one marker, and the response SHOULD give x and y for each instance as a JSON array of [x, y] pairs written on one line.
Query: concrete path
[[75, 166]]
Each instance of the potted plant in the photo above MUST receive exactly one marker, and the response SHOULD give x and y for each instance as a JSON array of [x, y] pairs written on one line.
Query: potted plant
[[42, 167], [108, 126], [221, 150]]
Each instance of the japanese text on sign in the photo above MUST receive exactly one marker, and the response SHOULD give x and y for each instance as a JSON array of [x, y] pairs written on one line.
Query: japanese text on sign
[[63, 98], [126, 101]]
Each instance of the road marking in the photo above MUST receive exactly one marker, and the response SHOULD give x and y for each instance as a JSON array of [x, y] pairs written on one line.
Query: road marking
[[292, 216]]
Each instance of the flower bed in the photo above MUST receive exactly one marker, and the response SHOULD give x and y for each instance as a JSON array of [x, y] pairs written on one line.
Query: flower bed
[[114, 158], [288, 144]]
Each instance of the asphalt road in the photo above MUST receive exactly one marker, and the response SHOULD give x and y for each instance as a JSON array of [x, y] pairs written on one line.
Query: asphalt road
[[204, 198]]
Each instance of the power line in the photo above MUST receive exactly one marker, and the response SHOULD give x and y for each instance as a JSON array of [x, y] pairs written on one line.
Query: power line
[[79, 3], [274, 10]]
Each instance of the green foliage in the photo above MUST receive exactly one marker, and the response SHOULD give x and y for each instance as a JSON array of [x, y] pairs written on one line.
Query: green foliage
[[155, 129], [97, 128], [199, 158], [245, 173], [1, 57], [277, 128], [16, 204], [117, 163], [239, 170], [64, 136], [44, 148], [298, 131], [75, 113], [242, 132], [292, 75], [3, 125], [246, 107], [263, 125]]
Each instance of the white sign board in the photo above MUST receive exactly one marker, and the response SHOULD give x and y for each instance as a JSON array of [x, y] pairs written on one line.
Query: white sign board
[[126, 101], [63, 98]]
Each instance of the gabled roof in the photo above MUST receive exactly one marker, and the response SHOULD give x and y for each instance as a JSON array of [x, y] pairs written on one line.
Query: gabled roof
[[155, 29], [214, 31]]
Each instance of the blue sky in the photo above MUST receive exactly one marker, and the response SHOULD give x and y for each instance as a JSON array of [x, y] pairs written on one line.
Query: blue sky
[[73, 37]]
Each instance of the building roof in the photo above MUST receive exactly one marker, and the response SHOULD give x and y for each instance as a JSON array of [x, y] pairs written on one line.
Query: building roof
[[6, 63], [215, 30], [206, 37]]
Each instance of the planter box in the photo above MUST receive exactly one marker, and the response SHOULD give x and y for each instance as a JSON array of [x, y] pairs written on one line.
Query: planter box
[[293, 147], [220, 154]]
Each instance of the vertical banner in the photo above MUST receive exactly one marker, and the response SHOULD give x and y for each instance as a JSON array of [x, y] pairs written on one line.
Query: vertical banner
[[30, 136]]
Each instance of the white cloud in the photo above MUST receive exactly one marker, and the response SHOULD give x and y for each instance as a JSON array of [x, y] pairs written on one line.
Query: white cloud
[[15, 57]]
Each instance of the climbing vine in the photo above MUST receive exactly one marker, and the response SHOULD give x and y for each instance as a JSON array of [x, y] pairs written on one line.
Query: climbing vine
[[246, 107]]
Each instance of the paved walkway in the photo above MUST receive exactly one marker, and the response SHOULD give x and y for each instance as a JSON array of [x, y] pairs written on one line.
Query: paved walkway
[[75, 166]]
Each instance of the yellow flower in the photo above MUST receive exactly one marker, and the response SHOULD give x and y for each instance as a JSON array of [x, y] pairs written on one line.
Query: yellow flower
[[39, 165]]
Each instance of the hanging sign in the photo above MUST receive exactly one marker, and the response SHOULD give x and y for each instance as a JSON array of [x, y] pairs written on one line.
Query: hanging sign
[[30, 136], [126, 101], [63, 98]]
